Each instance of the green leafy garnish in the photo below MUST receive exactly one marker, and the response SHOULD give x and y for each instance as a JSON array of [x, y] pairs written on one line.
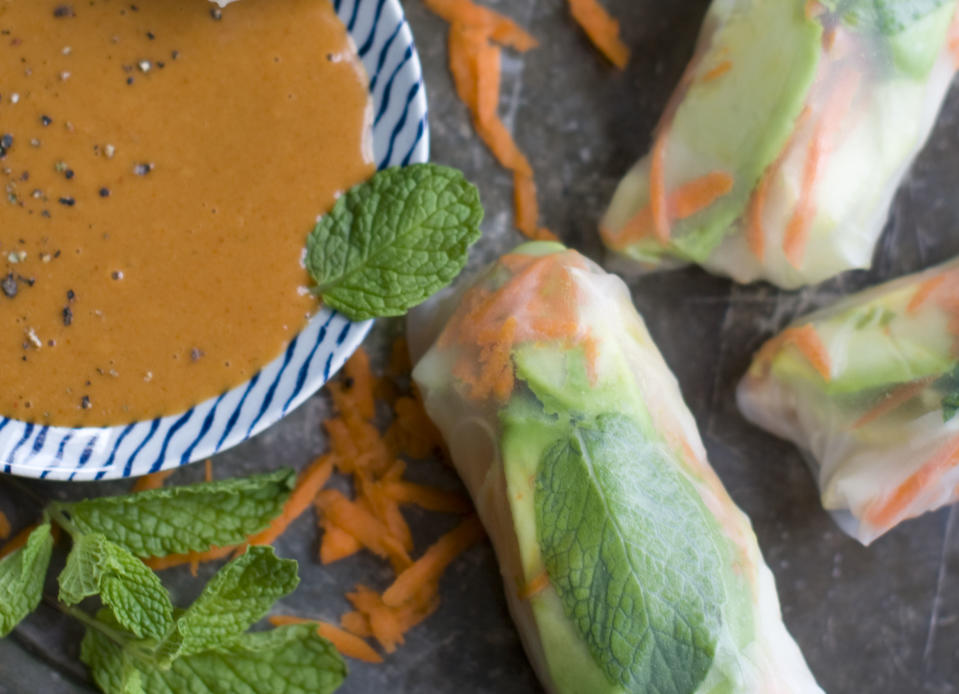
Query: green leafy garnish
[[21, 578], [889, 17], [238, 596], [633, 554], [176, 520], [138, 600], [138, 643], [287, 660], [393, 241]]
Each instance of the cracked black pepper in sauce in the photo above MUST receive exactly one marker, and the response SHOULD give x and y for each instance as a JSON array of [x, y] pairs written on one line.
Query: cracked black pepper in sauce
[[162, 168]]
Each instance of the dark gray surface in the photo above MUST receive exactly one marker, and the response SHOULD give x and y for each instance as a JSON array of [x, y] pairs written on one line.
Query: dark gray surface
[[883, 620]]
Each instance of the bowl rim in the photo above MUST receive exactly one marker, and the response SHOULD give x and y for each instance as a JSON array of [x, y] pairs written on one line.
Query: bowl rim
[[384, 41]]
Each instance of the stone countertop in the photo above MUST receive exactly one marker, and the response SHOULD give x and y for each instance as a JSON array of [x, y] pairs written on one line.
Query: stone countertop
[[883, 620]]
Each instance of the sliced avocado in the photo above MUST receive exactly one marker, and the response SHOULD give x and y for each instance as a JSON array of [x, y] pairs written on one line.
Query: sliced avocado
[[879, 346], [740, 122]]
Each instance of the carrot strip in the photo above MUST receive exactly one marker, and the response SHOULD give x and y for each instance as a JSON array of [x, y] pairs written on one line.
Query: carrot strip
[[152, 481], [463, 44], [411, 432], [336, 543], [433, 563], [892, 510], [499, 27], [310, 482], [488, 76], [525, 204], [755, 234], [689, 199], [360, 382], [363, 525], [807, 341], [17, 541], [346, 643], [357, 623], [892, 401], [503, 147], [5, 527], [208, 470], [429, 498], [798, 227], [535, 587], [717, 71], [923, 292], [601, 29], [658, 205]]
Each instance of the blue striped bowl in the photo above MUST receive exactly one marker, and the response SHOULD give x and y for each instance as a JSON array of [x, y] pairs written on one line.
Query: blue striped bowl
[[400, 137]]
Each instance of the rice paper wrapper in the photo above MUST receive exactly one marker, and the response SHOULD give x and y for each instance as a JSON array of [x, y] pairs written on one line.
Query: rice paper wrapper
[[868, 389], [626, 565], [782, 148]]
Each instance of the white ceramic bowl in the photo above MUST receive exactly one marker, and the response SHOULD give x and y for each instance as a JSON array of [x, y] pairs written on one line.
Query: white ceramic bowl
[[400, 136]]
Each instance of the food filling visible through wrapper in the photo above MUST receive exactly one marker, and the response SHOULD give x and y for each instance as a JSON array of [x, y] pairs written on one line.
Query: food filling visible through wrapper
[[869, 390], [626, 565], [780, 152]]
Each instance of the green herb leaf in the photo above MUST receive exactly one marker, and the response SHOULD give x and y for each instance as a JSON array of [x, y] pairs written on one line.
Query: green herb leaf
[[175, 520], [288, 660], [633, 554], [21, 578], [950, 406], [392, 242], [138, 600], [889, 17], [240, 595]]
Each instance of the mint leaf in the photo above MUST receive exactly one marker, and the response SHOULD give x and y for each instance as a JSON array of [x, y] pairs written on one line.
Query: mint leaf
[[192, 518], [138, 600], [889, 17], [950, 406], [113, 666], [21, 578], [288, 660], [633, 554], [240, 595], [392, 242]]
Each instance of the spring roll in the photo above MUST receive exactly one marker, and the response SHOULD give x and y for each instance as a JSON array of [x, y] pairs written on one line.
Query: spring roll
[[868, 389], [786, 139], [626, 565]]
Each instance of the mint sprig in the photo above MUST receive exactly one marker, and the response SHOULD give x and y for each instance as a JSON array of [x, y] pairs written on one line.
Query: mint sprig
[[21, 578], [391, 242], [138, 642]]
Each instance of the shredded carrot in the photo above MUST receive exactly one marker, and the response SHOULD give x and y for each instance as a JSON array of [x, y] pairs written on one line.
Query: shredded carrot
[[346, 643], [399, 364], [526, 205], [893, 509], [601, 29], [892, 401], [310, 482], [152, 481], [433, 563], [371, 532], [429, 498], [463, 45], [658, 205], [717, 71], [388, 624], [17, 541], [356, 623], [535, 587], [798, 227], [500, 28], [5, 527], [923, 292], [488, 76], [208, 470], [503, 147], [336, 544], [411, 432], [360, 378], [689, 199], [807, 341]]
